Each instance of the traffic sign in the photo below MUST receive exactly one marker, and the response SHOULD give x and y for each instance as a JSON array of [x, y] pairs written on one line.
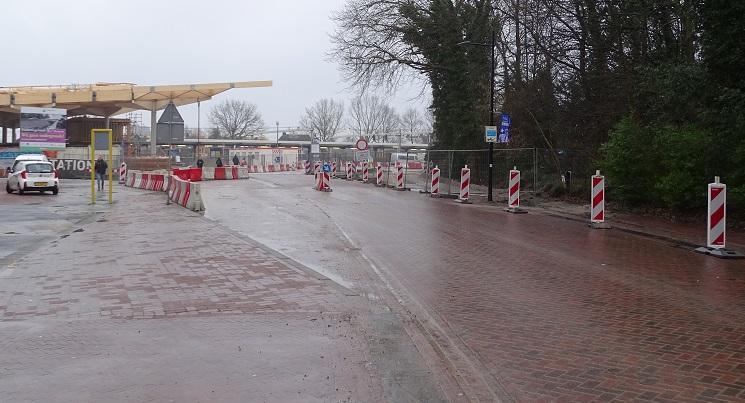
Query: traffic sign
[[504, 128], [490, 133], [326, 167], [361, 144]]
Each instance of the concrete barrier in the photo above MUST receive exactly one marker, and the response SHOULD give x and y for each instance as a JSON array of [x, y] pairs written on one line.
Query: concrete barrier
[[185, 193], [225, 173], [151, 180]]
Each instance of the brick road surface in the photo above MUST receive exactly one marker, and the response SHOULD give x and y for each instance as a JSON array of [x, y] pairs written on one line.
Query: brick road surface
[[152, 302], [551, 309]]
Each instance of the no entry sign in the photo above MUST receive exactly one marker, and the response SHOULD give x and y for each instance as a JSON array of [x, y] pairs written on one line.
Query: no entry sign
[[361, 144]]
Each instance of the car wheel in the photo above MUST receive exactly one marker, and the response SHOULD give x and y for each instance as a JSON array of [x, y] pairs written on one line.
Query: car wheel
[[7, 188], [20, 190], [55, 191]]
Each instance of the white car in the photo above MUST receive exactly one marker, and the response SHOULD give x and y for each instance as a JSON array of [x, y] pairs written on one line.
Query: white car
[[32, 176], [31, 157]]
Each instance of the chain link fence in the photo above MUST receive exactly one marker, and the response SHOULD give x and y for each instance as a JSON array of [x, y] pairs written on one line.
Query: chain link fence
[[543, 171]]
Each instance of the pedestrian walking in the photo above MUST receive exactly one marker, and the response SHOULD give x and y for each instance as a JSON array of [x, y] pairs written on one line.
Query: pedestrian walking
[[100, 169], [218, 162], [235, 160]]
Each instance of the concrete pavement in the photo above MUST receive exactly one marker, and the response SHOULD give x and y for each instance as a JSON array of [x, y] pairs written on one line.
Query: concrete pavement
[[528, 307]]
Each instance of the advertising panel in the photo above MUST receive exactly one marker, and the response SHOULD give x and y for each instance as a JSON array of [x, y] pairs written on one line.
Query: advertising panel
[[43, 129]]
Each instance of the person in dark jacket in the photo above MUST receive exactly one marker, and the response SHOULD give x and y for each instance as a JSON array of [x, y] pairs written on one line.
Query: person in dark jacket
[[200, 163], [100, 169], [218, 162], [235, 160]]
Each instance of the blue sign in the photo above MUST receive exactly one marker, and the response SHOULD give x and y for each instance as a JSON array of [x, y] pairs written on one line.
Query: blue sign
[[326, 167], [9, 155], [491, 134], [504, 128]]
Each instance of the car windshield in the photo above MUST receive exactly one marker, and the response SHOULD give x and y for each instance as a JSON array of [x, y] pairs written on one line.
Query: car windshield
[[39, 168]]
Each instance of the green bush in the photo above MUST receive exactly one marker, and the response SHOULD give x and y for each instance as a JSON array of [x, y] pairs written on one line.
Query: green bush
[[685, 154], [664, 166], [630, 163]]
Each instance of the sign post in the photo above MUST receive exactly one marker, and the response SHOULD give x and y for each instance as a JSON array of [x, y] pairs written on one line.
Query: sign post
[[101, 140]]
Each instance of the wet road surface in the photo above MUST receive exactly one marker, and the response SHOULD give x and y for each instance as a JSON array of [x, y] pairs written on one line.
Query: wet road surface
[[523, 307], [30, 220], [140, 301]]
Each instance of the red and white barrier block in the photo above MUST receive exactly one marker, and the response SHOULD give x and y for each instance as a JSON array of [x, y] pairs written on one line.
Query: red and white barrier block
[[349, 171], [465, 186], [225, 173], [513, 198], [379, 174], [157, 181], [123, 172], [716, 223], [185, 193], [434, 189], [323, 182], [308, 170], [597, 202]]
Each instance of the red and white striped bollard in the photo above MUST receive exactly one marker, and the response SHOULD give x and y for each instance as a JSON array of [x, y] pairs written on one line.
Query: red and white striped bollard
[[597, 202], [379, 174], [465, 185], [365, 172], [716, 223], [435, 188], [399, 176], [122, 172], [513, 193]]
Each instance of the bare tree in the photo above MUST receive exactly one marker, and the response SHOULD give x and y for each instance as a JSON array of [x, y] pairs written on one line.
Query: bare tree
[[412, 124], [323, 118], [236, 119], [370, 117]]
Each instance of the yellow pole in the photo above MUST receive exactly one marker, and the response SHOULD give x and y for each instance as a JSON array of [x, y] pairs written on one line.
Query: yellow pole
[[111, 169], [93, 164]]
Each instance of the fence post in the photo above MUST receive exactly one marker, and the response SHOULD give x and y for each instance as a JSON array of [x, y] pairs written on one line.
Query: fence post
[[450, 172], [535, 170]]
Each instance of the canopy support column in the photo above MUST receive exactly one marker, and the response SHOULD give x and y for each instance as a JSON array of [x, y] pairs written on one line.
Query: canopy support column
[[153, 129]]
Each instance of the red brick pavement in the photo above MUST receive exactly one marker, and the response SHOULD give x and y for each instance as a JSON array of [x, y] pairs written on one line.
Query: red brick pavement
[[127, 266], [554, 310], [155, 303]]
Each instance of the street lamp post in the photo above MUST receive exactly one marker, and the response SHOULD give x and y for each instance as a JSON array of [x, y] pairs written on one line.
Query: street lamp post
[[491, 45], [277, 133]]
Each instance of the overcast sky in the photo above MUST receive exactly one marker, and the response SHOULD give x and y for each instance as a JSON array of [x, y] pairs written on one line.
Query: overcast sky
[[187, 41]]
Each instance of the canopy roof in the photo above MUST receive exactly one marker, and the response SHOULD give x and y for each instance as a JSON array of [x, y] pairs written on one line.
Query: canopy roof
[[107, 99]]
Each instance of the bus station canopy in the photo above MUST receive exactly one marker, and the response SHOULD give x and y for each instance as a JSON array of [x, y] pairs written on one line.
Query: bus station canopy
[[108, 99]]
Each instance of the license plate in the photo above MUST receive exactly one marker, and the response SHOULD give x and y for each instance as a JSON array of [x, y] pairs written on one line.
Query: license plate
[[40, 183]]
